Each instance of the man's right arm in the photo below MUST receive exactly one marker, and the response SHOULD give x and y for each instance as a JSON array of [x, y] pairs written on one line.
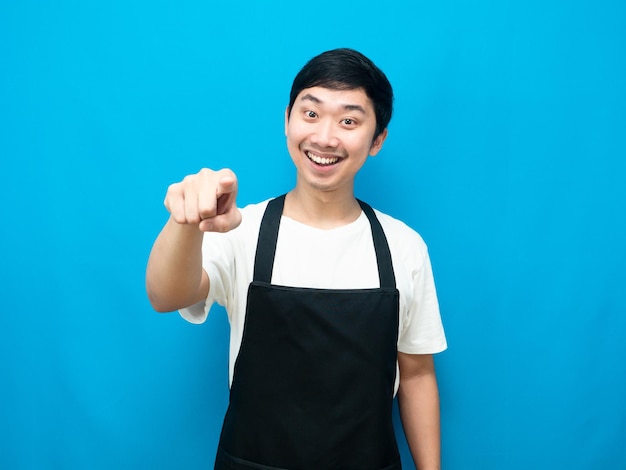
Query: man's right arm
[[204, 202]]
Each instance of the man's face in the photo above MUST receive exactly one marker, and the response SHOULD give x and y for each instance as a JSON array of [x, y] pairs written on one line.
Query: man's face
[[329, 137]]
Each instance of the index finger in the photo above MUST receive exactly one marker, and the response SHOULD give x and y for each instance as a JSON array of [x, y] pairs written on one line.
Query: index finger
[[226, 183]]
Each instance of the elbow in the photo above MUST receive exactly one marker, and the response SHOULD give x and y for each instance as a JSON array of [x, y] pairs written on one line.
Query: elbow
[[158, 305], [166, 296], [166, 302], [161, 308], [158, 302]]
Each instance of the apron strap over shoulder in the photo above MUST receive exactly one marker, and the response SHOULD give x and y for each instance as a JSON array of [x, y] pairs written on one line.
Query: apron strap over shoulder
[[268, 237], [383, 255]]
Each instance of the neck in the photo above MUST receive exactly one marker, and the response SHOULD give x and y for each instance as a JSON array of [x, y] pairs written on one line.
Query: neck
[[325, 210]]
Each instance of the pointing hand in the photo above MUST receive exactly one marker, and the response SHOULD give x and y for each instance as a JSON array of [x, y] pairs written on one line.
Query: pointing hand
[[207, 199]]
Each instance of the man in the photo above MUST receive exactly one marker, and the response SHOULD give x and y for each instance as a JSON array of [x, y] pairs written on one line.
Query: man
[[327, 298]]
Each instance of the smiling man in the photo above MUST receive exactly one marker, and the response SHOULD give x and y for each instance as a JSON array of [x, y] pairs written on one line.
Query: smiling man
[[332, 304]]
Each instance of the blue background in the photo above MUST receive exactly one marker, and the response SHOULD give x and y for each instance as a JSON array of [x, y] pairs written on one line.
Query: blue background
[[506, 152]]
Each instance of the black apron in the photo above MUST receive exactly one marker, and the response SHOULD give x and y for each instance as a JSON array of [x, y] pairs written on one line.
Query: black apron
[[313, 383]]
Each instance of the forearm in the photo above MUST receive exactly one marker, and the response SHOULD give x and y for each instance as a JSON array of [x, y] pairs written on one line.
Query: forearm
[[418, 398], [174, 276]]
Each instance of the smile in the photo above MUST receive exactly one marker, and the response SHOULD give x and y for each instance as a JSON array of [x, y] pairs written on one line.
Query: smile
[[322, 160]]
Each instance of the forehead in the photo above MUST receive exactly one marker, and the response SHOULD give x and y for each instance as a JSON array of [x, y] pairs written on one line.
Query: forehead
[[337, 100]]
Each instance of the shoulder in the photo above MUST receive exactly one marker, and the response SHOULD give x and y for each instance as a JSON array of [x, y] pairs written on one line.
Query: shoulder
[[255, 210], [404, 242]]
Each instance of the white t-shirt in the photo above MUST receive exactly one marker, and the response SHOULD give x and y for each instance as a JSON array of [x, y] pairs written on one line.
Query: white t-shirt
[[339, 258]]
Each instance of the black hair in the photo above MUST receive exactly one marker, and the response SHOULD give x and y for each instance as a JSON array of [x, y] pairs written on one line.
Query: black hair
[[347, 69]]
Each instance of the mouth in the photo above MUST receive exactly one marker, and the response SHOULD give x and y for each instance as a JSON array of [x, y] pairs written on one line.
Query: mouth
[[319, 160]]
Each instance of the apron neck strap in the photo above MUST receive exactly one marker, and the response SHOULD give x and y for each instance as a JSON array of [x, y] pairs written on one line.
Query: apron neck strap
[[268, 237], [383, 254]]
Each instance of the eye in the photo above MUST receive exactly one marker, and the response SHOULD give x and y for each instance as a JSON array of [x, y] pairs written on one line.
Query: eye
[[348, 122], [310, 114]]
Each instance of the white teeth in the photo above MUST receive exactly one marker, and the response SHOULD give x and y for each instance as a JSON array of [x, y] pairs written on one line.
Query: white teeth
[[322, 160]]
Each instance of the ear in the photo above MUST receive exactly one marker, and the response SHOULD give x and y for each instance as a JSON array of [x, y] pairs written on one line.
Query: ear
[[287, 111], [378, 143]]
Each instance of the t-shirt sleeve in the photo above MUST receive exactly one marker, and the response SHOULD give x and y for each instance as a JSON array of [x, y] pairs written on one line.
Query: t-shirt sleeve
[[422, 331]]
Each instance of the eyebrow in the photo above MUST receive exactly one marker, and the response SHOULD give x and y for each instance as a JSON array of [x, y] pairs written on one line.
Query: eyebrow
[[347, 107]]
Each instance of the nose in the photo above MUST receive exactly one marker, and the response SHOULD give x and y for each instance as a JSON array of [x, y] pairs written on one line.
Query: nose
[[325, 135]]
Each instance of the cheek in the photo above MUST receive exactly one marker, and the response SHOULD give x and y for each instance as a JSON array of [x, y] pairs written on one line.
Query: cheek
[[293, 141], [295, 133], [357, 145]]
